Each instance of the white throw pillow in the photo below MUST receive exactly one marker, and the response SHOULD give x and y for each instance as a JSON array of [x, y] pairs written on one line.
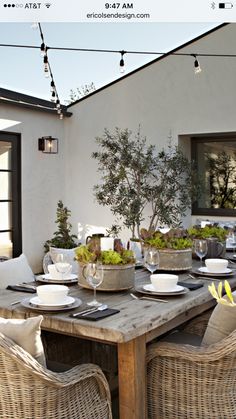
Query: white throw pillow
[[14, 271], [70, 253], [221, 323], [27, 334]]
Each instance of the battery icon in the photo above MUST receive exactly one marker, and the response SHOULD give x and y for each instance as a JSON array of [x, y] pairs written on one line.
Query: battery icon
[[225, 5]]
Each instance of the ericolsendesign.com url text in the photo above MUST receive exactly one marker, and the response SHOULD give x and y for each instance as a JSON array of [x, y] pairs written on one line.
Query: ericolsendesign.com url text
[[117, 15]]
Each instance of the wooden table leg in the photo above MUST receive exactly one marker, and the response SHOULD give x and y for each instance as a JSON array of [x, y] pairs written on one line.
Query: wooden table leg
[[132, 378]]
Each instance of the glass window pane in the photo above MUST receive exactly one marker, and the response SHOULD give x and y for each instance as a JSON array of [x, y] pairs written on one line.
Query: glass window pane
[[5, 215], [216, 164], [5, 155], [5, 245], [5, 185]]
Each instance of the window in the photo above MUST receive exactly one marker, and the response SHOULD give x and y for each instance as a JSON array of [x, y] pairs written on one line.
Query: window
[[10, 195], [215, 160]]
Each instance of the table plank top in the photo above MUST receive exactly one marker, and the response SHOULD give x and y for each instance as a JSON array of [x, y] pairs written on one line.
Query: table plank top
[[136, 317]]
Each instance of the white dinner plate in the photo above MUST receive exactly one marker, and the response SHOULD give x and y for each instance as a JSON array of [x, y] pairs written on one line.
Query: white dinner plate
[[205, 270], [26, 302], [150, 287], [37, 302], [46, 278], [145, 289]]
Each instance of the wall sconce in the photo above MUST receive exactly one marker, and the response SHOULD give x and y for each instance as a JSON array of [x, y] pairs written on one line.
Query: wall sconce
[[48, 145]]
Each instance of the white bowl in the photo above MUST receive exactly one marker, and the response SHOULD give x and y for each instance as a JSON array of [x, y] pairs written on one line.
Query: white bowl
[[164, 282], [52, 294], [216, 265]]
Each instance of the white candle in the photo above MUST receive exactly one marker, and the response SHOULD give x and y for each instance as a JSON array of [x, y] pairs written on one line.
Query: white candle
[[107, 243]]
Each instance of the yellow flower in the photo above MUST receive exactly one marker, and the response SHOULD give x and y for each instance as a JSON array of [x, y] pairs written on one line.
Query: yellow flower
[[217, 294]]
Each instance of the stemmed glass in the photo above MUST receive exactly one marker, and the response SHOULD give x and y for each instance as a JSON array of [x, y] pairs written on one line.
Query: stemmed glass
[[62, 264], [151, 258], [200, 248], [94, 277], [232, 238]]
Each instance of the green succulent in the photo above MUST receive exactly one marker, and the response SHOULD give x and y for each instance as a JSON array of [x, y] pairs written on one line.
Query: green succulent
[[208, 231], [84, 255], [176, 239]]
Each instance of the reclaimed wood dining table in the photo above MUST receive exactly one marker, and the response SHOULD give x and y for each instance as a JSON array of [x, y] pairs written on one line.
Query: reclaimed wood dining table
[[137, 323]]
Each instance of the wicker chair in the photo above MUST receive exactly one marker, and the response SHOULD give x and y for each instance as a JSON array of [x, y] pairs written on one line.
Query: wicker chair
[[30, 391], [187, 382]]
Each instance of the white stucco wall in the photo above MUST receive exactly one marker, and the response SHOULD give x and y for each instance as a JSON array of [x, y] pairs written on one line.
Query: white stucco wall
[[164, 97], [43, 180]]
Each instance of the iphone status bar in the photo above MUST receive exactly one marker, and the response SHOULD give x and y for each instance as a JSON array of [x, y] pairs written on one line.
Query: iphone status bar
[[123, 11]]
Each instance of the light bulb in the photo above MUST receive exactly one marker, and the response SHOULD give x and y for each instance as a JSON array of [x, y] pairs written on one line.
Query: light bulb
[[197, 68], [122, 66]]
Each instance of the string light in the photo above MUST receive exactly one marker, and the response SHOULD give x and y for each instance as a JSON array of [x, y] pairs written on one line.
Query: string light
[[122, 62], [197, 67], [46, 66], [48, 73], [43, 49]]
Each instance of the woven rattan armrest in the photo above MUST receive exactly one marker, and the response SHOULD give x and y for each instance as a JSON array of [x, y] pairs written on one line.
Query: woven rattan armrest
[[81, 392], [211, 353]]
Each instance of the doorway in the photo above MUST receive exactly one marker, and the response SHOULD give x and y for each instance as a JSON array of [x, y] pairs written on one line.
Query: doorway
[[10, 195]]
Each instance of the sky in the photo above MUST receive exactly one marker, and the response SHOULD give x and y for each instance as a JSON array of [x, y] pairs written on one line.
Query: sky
[[22, 68]]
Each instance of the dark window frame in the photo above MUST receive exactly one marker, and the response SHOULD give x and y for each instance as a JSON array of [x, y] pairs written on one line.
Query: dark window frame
[[15, 140], [203, 138]]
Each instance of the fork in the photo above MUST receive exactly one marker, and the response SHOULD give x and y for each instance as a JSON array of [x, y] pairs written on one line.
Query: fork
[[147, 298]]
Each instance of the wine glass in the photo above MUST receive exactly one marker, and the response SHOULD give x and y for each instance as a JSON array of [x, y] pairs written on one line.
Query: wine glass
[[94, 277], [232, 240], [200, 248], [152, 260], [62, 264]]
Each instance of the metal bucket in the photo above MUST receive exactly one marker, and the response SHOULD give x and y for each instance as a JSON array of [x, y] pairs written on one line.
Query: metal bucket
[[115, 278], [175, 260]]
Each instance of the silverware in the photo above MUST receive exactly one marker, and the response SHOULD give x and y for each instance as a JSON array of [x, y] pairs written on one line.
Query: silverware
[[100, 308], [15, 302], [90, 310], [204, 277], [82, 312], [148, 298], [24, 285]]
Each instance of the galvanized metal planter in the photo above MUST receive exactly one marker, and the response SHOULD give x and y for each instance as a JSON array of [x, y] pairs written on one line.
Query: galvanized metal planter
[[115, 278], [175, 260]]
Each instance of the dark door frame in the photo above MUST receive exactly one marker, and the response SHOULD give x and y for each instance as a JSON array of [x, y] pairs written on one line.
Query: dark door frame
[[15, 140]]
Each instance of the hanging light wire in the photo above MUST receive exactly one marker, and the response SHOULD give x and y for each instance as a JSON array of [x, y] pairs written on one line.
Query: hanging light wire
[[48, 73], [184, 54]]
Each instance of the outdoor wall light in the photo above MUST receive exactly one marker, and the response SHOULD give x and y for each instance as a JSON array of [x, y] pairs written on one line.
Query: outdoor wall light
[[48, 145]]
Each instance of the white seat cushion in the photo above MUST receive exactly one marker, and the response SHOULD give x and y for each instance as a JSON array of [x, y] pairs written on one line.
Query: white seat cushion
[[27, 334], [14, 271]]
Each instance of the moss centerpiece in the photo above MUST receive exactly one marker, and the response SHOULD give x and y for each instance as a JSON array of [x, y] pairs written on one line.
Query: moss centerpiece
[[118, 266]]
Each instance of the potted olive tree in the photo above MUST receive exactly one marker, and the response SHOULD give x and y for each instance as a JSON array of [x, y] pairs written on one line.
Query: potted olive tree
[[141, 184]]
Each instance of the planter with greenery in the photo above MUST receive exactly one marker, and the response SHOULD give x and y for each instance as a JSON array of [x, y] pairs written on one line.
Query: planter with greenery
[[215, 237], [118, 266], [62, 238], [174, 247], [141, 184]]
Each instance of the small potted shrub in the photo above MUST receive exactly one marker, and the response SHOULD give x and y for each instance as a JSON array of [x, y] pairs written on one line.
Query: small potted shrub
[[118, 266], [175, 248]]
